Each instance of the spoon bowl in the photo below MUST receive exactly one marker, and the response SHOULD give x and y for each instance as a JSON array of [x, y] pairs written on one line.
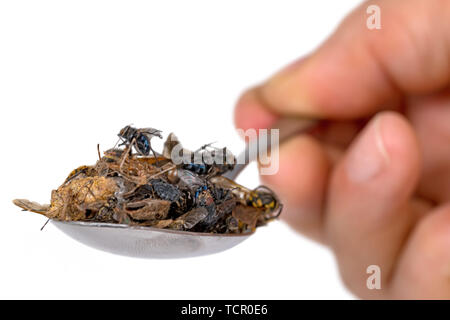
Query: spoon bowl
[[148, 242]]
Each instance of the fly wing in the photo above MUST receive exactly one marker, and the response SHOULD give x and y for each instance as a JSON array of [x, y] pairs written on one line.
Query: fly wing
[[191, 218], [152, 132], [227, 184], [189, 180], [247, 215]]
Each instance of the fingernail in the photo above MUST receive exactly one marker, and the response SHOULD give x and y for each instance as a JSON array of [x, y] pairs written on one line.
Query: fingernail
[[368, 156]]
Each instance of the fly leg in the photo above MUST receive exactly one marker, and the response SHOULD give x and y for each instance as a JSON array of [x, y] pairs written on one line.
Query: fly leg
[[125, 153], [154, 153], [156, 158]]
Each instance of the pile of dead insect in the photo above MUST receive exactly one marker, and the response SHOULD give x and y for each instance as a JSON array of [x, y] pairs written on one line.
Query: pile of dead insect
[[127, 185]]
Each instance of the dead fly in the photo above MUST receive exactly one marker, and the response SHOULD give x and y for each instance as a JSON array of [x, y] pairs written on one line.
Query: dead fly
[[128, 187], [139, 139], [207, 160]]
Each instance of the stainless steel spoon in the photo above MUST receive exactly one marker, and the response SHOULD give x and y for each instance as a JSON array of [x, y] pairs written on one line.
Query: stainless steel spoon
[[148, 242]]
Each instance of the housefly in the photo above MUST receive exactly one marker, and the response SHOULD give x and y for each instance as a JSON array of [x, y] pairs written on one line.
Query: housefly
[[139, 139]]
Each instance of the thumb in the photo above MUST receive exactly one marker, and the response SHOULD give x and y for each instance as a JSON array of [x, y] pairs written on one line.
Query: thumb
[[358, 71]]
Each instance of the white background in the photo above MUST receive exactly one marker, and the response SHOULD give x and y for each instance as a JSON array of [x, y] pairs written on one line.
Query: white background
[[72, 73]]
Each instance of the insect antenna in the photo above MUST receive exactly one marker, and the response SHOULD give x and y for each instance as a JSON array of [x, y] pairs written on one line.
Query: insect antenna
[[45, 224], [118, 140], [98, 151], [203, 147]]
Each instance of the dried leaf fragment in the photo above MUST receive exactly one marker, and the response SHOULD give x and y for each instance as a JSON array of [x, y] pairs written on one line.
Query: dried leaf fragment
[[32, 206], [148, 209]]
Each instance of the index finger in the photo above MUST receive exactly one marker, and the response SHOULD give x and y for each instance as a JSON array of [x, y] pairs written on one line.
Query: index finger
[[357, 71]]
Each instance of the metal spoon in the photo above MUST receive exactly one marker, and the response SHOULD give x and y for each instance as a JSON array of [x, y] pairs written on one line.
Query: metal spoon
[[148, 242]]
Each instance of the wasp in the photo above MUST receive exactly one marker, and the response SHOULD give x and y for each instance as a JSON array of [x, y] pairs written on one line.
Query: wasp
[[139, 139], [261, 197]]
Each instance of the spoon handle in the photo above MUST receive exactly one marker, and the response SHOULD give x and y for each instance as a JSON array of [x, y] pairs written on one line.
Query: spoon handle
[[288, 127]]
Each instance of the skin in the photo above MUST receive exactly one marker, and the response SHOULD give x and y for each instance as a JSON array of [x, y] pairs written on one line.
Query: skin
[[373, 184]]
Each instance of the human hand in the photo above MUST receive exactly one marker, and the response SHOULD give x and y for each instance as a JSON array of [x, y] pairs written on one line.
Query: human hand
[[376, 196]]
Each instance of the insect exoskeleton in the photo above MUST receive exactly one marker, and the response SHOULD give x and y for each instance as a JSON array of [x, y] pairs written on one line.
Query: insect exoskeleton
[[260, 197], [206, 161], [86, 171], [139, 138], [263, 197]]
